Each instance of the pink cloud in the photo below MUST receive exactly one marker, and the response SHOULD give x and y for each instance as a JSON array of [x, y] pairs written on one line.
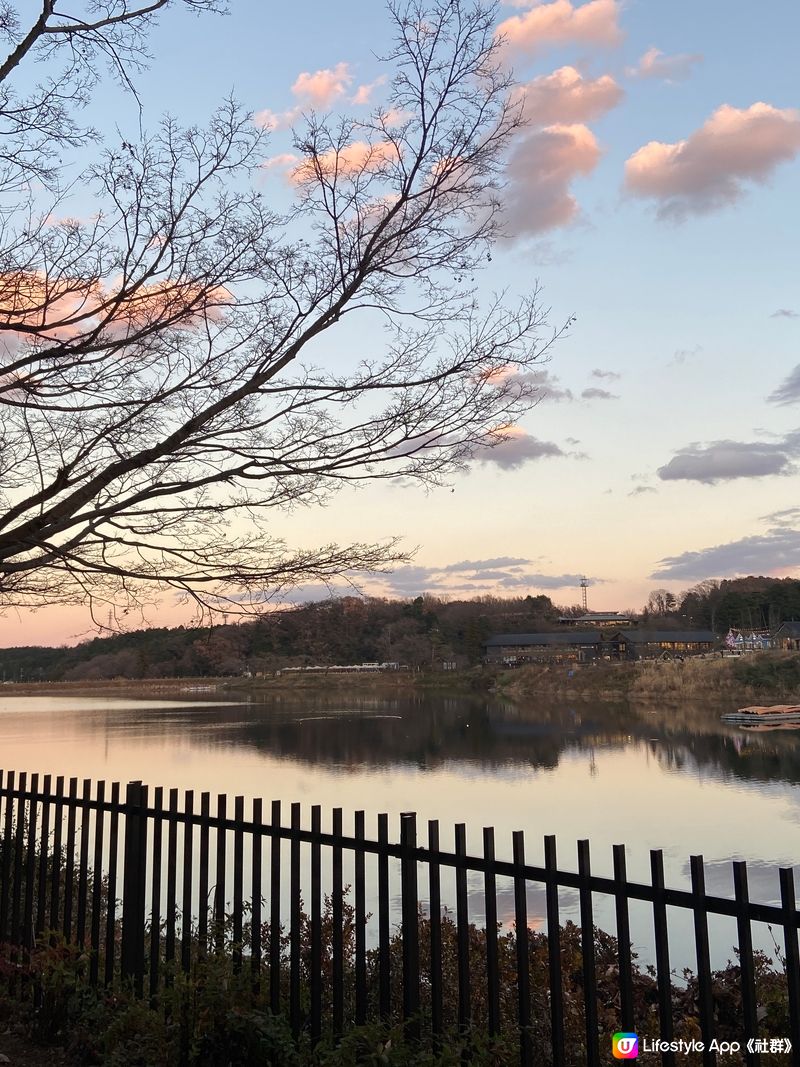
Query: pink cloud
[[363, 93], [349, 160], [561, 22], [565, 96], [708, 170], [318, 90], [540, 379], [283, 161], [323, 87], [540, 171], [654, 64], [58, 308], [274, 120]]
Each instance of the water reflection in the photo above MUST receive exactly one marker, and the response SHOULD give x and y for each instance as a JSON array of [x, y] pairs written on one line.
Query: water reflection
[[611, 772], [676, 779], [430, 732], [424, 732]]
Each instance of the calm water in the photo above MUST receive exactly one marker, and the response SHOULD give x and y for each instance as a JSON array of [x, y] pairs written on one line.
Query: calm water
[[674, 779]]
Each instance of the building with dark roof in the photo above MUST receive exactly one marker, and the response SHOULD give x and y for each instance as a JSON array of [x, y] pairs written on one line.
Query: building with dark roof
[[585, 646], [571, 647], [787, 637], [643, 644]]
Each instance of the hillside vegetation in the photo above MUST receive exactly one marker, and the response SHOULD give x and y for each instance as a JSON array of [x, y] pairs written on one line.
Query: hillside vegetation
[[420, 632], [767, 676]]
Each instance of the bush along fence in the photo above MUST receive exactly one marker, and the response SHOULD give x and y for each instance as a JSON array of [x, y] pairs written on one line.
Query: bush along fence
[[149, 891]]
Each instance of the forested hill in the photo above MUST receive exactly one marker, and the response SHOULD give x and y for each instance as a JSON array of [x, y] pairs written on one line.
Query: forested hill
[[344, 630], [752, 603], [418, 632]]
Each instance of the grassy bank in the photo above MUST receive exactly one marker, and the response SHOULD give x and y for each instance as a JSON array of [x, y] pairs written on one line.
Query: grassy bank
[[766, 676], [471, 679], [760, 677], [115, 686]]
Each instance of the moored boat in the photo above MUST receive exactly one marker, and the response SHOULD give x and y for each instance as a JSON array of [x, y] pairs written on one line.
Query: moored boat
[[758, 714]]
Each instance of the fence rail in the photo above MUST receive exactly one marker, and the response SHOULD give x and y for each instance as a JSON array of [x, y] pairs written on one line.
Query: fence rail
[[150, 884]]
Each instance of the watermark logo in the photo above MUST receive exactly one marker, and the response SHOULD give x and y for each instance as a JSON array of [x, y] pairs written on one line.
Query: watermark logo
[[625, 1046]]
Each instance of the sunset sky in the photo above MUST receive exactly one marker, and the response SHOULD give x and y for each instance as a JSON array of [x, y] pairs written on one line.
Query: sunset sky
[[654, 195]]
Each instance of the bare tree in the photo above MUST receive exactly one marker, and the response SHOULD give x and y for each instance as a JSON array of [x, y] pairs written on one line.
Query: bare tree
[[158, 393], [661, 602]]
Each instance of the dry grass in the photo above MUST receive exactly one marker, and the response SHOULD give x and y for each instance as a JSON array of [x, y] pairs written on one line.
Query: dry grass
[[674, 680], [604, 681], [138, 686], [707, 679]]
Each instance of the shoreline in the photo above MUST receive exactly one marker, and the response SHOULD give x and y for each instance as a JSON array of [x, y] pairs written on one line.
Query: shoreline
[[764, 675], [471, 680]]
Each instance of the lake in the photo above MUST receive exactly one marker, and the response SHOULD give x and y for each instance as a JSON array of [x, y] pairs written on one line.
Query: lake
[[676, 779]]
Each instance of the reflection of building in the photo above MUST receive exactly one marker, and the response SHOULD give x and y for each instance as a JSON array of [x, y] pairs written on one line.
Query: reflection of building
[[644, 644], [570, 647], [584, 646], [787, 637], [596, 618]]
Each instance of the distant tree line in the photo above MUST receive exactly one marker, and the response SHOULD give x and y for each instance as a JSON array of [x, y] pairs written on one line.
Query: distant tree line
[[752, 603], [423, 632]]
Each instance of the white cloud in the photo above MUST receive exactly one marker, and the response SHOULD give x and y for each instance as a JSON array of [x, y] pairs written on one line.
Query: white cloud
[[598, 394], [654, 64], [788, 392], [283, 161]]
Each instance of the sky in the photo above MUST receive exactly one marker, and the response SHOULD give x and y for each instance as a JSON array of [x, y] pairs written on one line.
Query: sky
[[653, 195]]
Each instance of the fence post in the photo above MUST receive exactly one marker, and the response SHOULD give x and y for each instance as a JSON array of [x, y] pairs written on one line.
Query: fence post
[[587, 952], [554, 952], [747, 973], [623, 938], [133, 891], [462, 933], [523, 950], [789, 905], [410, 919]]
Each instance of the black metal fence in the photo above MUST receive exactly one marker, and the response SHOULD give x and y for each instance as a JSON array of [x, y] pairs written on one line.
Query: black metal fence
[[148, 884]]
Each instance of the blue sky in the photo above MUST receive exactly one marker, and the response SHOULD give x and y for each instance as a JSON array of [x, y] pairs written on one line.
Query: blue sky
[[653, 200]]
